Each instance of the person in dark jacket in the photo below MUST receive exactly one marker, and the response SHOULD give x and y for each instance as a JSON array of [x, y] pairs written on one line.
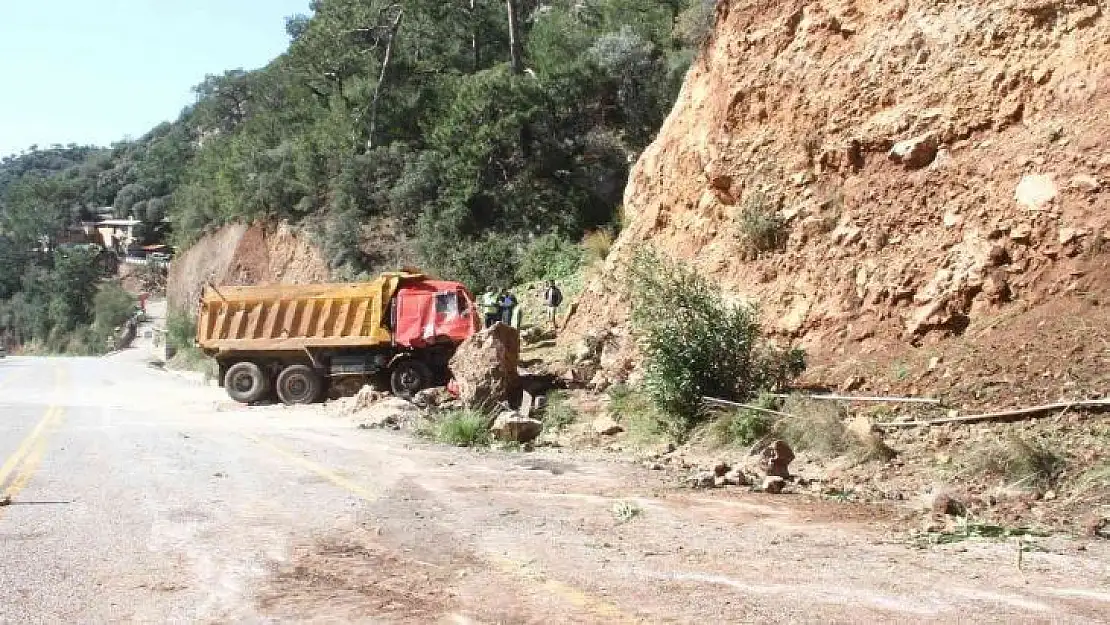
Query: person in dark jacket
[[552, 299]]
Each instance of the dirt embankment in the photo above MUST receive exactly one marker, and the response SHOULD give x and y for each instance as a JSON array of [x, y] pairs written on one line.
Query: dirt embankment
[[939, 170], [244, 255]]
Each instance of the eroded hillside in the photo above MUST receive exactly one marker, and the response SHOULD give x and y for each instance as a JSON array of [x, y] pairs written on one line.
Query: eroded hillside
[[911, 182]]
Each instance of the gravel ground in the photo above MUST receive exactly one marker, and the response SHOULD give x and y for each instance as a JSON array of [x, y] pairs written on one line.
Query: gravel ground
[[139, 497]]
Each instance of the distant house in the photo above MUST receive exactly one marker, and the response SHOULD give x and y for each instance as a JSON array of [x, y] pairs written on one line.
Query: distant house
[[118, 234]]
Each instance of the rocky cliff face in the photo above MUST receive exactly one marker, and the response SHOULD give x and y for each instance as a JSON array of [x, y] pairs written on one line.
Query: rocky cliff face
[[243, 255], [919, 171]]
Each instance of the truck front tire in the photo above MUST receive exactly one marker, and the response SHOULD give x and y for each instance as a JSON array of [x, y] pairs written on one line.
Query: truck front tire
[[409, 377], [299, 384], [246, 383]]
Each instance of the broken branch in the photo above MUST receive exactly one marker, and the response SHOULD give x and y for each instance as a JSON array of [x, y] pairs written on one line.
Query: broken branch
[[1037, 411]]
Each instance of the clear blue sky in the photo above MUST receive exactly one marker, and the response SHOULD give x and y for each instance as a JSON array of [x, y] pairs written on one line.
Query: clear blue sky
[[96, 71]]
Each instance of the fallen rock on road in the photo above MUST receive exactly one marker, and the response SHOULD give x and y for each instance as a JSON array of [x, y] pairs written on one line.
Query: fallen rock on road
[[486, 365]]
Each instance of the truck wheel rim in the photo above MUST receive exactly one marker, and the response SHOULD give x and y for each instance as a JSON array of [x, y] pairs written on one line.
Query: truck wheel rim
[[409, 379], [243, 382], [297, 386]]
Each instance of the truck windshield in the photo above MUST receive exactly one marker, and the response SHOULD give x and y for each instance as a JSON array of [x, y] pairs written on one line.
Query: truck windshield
[[447, 304]]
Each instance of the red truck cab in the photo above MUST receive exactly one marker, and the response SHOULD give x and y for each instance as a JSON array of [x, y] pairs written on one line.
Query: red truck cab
[[433, 312]]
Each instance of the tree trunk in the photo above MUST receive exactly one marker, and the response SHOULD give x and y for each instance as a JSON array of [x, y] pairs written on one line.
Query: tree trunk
[[516, 62], [516, 66], [390, 36], [475, 46]]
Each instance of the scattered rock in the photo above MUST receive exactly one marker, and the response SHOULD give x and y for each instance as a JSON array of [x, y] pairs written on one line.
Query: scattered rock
[[721, 468], [391, 413], [510, 426], [1083, 182], [432, 397], [1094, 526], [1035, 191], [917, 152], [773, 484], [1067, 235], [599, 382], [944, 504], [776, 459], [702, 479], [736, 477], [606, 426], [485, 366], [1021, 233]]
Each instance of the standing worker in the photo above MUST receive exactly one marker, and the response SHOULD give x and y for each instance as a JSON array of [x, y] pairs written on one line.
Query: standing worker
[[491, 306], [552, 298], [508, 306]]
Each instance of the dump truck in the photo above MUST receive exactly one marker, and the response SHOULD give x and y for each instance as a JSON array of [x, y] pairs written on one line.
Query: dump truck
[[296, 339]]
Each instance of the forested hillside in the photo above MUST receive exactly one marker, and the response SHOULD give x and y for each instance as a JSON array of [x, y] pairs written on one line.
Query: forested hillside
[[485, 137]]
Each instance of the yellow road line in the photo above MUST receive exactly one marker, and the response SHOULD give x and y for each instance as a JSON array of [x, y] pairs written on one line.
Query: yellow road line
[[34, 454], [322, 471], [25, 446], [513, 568], [21, 465]]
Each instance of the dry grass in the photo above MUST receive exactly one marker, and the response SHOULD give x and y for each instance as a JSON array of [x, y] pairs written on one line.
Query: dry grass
[[819, 428], [596, 245], [1019, 461]]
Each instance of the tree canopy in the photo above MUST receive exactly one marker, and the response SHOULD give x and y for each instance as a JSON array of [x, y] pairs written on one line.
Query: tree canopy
[[409, 111]]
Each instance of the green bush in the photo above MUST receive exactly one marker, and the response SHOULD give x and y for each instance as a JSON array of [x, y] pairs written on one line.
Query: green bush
[[463, 428], [549, 257], [558, 415], [695, 344], [112, 307], [181, 330]]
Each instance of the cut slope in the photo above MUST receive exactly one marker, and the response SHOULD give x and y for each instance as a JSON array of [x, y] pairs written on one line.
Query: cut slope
[[938, 169]]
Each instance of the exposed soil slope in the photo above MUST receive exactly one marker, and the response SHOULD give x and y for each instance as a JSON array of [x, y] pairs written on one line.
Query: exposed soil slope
[[940, 171], [244, 255]]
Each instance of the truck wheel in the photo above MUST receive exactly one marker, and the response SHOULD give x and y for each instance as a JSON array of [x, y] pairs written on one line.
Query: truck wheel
[[246, 382], [299, 384], [409, 377]]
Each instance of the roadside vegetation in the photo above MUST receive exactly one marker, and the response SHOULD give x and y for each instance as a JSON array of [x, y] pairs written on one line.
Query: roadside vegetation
[[695, 344], [462, 427]]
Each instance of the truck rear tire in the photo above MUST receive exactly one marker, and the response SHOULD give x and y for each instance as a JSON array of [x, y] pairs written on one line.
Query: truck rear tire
[[409, 377], [299, 384], [246, 383]]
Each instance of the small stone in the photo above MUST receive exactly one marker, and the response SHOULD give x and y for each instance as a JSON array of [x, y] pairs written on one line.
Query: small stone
[[1049, 495], [511, 426], [773, 484], [1021, 233], [917, 152], [1035, 191], [1083, 182], [606, 426], [736, 477], [944, 504], [702, 479], [1067, 235], [934, 362], [777, 458], [721, 468]]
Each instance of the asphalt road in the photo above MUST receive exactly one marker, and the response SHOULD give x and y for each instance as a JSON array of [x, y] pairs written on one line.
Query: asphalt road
[[137, 496]]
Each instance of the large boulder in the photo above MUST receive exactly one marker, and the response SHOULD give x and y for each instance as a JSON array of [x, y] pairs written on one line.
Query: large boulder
[[486, 365]]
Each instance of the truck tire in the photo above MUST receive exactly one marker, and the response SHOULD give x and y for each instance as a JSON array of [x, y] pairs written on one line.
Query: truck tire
[[409, 377], [246, 383], [299, 384]]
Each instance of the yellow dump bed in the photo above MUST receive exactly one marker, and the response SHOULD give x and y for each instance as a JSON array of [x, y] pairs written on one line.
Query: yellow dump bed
[[295, 317]]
